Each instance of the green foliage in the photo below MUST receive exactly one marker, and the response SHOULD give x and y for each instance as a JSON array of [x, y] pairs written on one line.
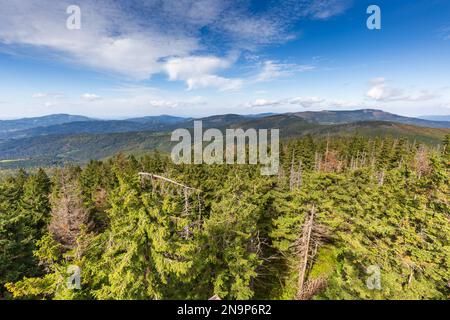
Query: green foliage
[[226, 230], [24, 214]]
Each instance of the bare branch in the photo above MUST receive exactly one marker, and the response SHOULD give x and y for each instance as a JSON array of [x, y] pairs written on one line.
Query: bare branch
[[151, 175]]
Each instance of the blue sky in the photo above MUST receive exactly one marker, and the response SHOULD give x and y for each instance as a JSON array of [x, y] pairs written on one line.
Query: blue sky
[[185, 57]]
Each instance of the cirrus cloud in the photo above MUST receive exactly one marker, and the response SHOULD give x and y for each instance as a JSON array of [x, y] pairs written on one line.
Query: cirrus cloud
[[272, 69], [47, 95], [90, 96], [135, 40], [381, 91], [304, 102]]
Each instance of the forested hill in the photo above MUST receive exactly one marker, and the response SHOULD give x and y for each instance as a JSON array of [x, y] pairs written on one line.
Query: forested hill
[[80, 141], [52, 150], [66, 124], [11, 126], [382, 129], [341, 212], [336, 117]]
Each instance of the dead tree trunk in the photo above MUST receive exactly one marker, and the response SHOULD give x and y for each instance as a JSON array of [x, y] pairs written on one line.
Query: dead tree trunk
[[317, 161], [304, 251], [186, 191], [68, 212], [151, 175], [299, 175], [292, 173], [295, 178], [313, 235]]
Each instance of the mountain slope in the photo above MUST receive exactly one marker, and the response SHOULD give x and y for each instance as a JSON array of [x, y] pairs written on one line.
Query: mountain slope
[[57, 149], [337, 117], [27, 123], [382, 129], [289, 124], [96, 126]]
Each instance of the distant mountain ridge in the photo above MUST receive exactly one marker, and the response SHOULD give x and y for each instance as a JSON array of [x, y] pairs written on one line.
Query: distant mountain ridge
[[347, 116], [78, 124], [80, 141], [164, 118], [78, 127], [28, 123], [80, 148], [67, 124]]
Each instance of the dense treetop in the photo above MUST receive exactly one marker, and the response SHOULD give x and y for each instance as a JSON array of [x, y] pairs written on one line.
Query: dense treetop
[[338, 208]]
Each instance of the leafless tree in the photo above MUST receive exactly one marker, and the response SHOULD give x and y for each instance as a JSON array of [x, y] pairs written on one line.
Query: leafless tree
[[295, 178], [312, 237], [186, 192], [68, 212], [421, 163]]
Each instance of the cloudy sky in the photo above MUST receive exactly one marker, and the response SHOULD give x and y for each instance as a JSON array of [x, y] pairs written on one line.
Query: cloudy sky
[[185, 57]]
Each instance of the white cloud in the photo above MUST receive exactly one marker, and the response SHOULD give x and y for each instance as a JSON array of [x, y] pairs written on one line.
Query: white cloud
[[273, 25], [263, 103], [90, 96], [324, 9], [253, 31], [185, 68], [108, 40], [423, 95], [380, 91], [39, 95], [444, 33], [163, 104], [222, 84], [272, 69], [171, 104], [198, 72], [346, 104], [135, 40], [306, 102], [47, 95]]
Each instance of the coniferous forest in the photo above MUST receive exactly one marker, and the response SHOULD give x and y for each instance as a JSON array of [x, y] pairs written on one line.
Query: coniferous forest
[[340, 211]]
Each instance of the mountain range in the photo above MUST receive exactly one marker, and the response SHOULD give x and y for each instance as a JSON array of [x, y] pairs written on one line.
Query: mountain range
[[11, 126], [56, 139], [63, 124]]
